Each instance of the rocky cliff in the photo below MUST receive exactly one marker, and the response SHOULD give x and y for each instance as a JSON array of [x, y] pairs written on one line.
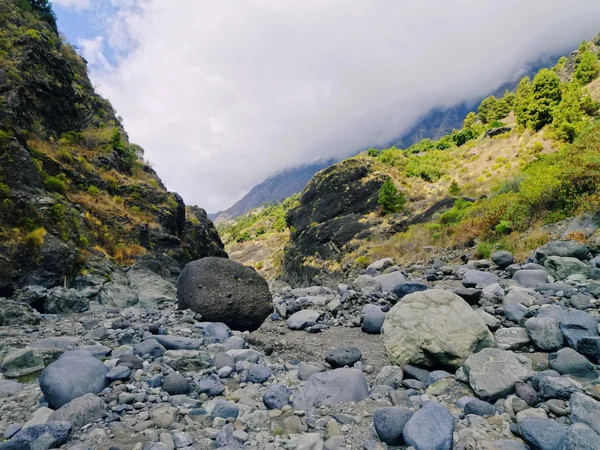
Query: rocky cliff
[[78, 201]]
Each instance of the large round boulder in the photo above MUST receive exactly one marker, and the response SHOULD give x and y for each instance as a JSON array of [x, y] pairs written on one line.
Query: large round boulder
[[74, 374], [225, 291], [434, 328]]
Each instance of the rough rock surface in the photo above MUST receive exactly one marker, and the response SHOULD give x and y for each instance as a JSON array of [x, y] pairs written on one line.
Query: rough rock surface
[[434, 327], [225, 291]]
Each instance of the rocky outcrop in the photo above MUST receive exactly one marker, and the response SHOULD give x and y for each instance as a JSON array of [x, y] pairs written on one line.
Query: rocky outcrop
[[329, 217], [70, 181]]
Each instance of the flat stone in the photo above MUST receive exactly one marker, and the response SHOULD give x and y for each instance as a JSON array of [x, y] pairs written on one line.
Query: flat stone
[[511, 338]]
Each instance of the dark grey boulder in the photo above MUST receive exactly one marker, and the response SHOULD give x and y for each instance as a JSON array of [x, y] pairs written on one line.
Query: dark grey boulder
[[558, 387], [389, 423], [178, 342], [431, 427], [373, 318], [538, 377], [545, 333], [409, 287], [576, 325], [470, 295], [118, 373], [480, 408], [80, 411], [258, 374], [343, 356], [302, 319], [586, 410], [210, 386], [74, 374], [225, 291], [332, 387], [568, 362], [61, 300], [572, 249], [215, 332], [503, 259], [225, 410], [149, 347], [479, 279], [176, 384], [543, 434], [530, 278], [590, 347], [277, 396], [24, 439], [581, 437]]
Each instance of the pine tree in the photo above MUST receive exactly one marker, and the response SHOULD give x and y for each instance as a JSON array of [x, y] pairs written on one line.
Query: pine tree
[[390, 199], [588, 68], [454, 189], [487, 109]]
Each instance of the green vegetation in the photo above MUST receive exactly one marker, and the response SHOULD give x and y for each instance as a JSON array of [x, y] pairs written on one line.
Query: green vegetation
[[263, 222], [588, 68], [57, 184], [454, 189], [35, 239], [390, 199]]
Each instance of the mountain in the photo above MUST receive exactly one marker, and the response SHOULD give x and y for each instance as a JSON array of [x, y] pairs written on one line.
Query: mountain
[[78, 201], [275, 188]]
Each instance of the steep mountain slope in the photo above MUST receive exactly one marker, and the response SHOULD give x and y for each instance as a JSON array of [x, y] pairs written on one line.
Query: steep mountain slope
[[74, 193], [275, 188], [501, 165]]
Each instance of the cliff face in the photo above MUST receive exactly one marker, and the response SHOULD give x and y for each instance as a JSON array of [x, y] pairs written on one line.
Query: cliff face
[[73, 189]]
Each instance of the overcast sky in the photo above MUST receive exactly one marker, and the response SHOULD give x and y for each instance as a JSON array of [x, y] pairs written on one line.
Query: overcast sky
[[223, 93]]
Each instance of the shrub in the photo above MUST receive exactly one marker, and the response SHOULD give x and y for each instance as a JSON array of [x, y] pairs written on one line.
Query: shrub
[[64, 156], [56, 184], [127, 254], [456, 214], [504, 227], [484, 250], [428, 166], [259, 265], [373, 152], [454, 189], [393, 157], [390, 199], [36, 238], [588, 68], [537, 108], [463, 136], [362, 261], [245, 236], [93, 191], [4, 190]]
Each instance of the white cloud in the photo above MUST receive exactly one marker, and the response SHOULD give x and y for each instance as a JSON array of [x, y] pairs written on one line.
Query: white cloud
[[75, 4], [93, 51], [222, 94]]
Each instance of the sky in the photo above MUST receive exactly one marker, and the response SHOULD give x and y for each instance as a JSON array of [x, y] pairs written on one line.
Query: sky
[[221, 94]]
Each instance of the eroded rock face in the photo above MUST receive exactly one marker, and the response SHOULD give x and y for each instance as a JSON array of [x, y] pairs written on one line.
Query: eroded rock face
[[329, 216], [225, 291], [433, 328]]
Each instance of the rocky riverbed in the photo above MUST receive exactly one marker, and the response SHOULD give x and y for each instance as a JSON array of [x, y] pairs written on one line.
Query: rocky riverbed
[[487, 354]]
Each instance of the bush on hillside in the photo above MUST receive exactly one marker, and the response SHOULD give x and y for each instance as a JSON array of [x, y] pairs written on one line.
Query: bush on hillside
[[587, 69], [390, 199]]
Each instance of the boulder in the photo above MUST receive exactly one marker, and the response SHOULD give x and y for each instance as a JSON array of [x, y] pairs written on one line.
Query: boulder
[[258, 374], [585, 410], [373, 317], [492, 372], [545, 333], [176, 384], [543, 434], [302, 319], [390, 280], [568, 362], [389, 424], [581, 437], [409, 287], [557, 387], [590, 347], [74, 374], [149, 347], [576, 325], [62, 300], [151, 288], [18, 362], [15, 313], [27, 437], [478, 279], [571, 249], [431, 427], [80, 411], [433, 327], [503, 259], [391, 376], [562, 268], [277, 396], [177, 342], [480, 408], [225, 291], [530, 278], [511, 338], [332, 387], [343, 356]]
